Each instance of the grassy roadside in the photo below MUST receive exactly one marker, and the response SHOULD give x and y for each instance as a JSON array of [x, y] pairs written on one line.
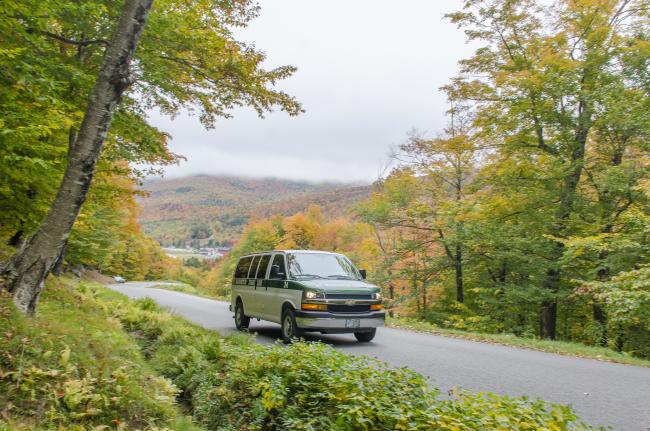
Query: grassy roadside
[[93, 360], [74, 367], [189, 289], [558, 347]]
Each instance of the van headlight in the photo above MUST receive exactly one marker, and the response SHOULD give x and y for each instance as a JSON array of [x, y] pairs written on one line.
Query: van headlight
[[376, 296], [314, 295]]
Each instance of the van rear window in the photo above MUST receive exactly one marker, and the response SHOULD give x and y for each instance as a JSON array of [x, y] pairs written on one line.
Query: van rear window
[[242, 267]]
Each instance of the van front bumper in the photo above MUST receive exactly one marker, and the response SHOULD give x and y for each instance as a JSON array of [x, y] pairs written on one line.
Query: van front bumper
[[325, 321]]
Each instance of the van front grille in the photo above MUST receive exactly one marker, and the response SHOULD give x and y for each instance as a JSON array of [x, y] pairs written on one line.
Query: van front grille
[[342, 308], [348, 296]]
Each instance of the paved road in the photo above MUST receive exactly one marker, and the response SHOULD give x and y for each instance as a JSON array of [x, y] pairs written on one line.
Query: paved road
[[602, 393]]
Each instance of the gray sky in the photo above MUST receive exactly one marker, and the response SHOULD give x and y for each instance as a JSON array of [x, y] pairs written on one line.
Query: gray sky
[[368, 72]]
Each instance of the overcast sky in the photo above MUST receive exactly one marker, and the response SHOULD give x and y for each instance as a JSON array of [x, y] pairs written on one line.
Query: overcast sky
[[368, 72]]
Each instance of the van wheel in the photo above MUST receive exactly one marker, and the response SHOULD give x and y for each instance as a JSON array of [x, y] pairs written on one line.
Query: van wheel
[[241, 320], [364, 337], [290, 330]]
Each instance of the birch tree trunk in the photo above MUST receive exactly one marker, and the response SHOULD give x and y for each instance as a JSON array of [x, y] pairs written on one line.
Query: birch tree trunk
[[25, 272]]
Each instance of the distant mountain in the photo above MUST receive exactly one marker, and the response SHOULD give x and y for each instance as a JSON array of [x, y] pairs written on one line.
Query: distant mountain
[[212, 210]]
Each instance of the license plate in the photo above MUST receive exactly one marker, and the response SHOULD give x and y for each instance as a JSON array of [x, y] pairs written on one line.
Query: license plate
[[352, 323]]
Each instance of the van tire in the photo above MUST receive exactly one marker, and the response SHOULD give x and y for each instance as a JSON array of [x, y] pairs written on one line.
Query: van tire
[[241, 320], [289, 327], [365, 337]]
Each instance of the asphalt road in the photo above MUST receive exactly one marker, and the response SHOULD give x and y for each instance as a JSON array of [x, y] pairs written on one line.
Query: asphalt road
[[602, 393]]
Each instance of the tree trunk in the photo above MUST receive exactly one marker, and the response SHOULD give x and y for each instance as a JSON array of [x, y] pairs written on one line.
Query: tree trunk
[[17, 237], [601, 320], [458, 256], [424, 297], [619, 342], [26, 271], [548, 313], [456, 259], [391, 296], [458, 263], [598, 312], [416, 292], [57, 268], [548, 319], [608, 205]]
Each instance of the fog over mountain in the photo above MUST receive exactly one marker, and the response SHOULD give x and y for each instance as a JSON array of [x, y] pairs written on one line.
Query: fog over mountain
[[369, 71], [179, 210]]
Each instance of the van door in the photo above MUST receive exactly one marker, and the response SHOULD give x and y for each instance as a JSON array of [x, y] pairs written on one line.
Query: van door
[[277, 290], [254, 303], [261, 285]]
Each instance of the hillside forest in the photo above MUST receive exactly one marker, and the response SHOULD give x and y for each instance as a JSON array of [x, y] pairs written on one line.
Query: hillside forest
[[527, 215], [210, 211]]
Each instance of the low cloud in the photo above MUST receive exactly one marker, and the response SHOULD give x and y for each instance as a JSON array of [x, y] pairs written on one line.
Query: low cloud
[[369, 71]]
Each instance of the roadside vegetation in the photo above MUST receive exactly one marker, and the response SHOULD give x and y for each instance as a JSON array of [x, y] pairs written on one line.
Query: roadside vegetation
[[551, 346], [75, 367], [123, 364], [189, 289]]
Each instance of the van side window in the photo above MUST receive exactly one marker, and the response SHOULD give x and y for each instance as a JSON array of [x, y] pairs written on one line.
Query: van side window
[[256, 260], [278, 260], [242, 267], [264, 263]]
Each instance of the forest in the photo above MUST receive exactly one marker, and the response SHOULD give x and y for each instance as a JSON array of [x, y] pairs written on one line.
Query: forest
[[528, 214]]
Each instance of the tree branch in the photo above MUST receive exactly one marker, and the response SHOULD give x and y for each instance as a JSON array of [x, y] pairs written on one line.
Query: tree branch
[[69, 41]]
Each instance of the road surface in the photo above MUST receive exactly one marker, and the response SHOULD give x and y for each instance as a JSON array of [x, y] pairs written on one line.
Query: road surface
[[602, 393]]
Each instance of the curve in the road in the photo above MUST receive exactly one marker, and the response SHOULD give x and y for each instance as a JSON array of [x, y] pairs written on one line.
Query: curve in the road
[[602, 393]]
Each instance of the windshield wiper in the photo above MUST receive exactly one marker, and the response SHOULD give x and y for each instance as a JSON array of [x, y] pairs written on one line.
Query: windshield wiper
[[341, 277], [308, 275]]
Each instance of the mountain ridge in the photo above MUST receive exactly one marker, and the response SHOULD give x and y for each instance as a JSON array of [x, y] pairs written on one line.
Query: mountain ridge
[[197, 209]]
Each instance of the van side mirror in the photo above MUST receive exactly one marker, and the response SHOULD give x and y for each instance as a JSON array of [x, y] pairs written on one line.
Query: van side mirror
[[363, 273], [275, 273]]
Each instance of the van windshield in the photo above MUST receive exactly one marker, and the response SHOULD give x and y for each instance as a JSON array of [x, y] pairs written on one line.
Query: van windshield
[[321, 265]]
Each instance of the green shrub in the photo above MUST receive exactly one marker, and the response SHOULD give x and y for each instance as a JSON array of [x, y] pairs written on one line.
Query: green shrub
[[310, 386], [467, 411], [185, 353]]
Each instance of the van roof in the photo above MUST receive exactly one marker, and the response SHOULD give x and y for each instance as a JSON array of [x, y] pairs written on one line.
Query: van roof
[[289, 251]]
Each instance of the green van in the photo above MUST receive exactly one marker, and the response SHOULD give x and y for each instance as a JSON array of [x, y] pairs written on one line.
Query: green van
[[306, 291]]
